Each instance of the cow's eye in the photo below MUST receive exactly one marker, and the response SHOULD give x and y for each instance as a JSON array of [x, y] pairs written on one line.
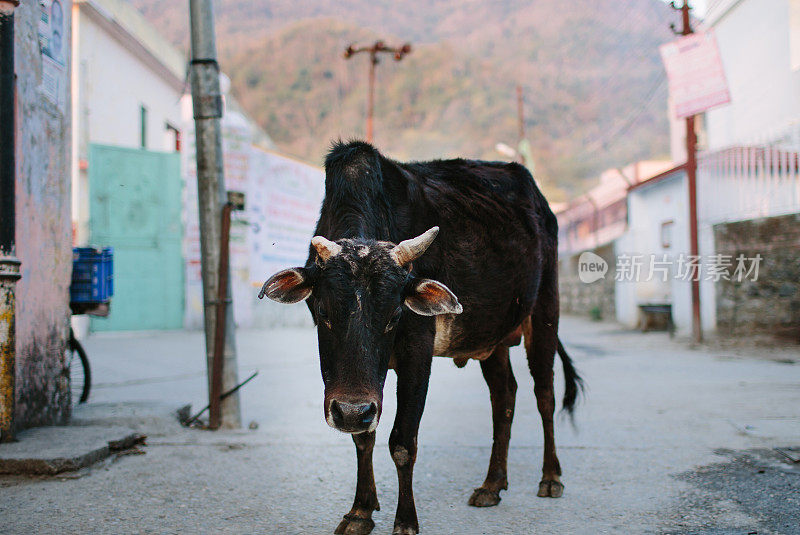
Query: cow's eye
[[394, 319], [322, 316]]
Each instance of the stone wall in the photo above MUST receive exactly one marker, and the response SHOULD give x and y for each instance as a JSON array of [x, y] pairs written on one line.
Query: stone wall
[[43, 233], [771, 304], [594, 300]]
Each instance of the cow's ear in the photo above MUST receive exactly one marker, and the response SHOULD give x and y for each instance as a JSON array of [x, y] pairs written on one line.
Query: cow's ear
[[429, 298], [288, 286]]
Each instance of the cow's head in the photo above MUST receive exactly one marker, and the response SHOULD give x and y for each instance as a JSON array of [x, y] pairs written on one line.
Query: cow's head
[[358, 291]]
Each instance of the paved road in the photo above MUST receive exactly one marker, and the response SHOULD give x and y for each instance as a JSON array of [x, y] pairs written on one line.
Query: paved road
[[668, 440]]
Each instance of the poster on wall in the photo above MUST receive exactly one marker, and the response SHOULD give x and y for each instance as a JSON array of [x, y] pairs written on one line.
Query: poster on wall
[[236, 142], [284, 199], [53, 43]]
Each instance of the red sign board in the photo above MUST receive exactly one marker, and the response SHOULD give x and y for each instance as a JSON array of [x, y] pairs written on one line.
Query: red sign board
[[696, 76]]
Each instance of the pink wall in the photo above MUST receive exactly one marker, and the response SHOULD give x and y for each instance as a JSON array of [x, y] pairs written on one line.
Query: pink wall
[[43, 237]]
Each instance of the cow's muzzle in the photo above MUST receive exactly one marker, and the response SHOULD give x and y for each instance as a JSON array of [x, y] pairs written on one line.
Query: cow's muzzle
[[352, 416]]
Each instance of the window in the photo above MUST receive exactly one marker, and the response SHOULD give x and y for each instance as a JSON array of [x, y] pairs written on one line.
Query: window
[[666, 233], [175, 140], [143, 126]]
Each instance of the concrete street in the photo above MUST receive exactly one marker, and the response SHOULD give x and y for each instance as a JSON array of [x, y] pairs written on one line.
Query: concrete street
[[667, 440]]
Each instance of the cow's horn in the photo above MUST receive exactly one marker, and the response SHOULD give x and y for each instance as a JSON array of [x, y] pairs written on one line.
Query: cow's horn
[[409, 250], [325, 247]]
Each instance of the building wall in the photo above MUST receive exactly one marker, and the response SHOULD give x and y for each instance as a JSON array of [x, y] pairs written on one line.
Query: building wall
[[599, 216], [43, 221], [759, 42], [595, 300], [741, 184], [755, 39], [770, 304], [283, 198], [113, 78], [114, 82], [649, 207]]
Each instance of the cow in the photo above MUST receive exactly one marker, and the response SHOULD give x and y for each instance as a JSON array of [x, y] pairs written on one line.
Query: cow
[[453, 258]]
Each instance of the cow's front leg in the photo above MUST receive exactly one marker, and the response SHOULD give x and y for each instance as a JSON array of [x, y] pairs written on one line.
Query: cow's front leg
[[359, 520], [412, 387]]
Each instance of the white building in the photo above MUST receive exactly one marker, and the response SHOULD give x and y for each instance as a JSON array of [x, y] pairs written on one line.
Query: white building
[[740, 174], [598, 217], [593, 222], [127, 84], [657, 232], [135, 186], [126, 180], [759, 42], [282, 201], [747, 168]]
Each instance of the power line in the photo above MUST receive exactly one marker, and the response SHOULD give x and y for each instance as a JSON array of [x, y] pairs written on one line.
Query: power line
[[636, 53], [609, 139]]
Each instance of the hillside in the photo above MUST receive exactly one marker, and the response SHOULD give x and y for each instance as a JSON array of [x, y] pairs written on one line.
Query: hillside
[[594, 89]]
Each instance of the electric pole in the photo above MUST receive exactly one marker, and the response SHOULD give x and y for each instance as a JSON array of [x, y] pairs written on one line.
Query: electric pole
[[520, 124], [520, 113], [691, 175], [374, 50], [207, 105]]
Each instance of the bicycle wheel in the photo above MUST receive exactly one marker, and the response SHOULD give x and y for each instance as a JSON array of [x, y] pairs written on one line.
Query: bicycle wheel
[[79, 372]]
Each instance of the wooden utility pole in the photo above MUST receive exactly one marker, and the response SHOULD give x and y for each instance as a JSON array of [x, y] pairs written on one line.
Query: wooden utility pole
[[207, 105], [691, 175], [374, 50]]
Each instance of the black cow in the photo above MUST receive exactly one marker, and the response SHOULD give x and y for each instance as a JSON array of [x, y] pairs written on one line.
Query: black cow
[[378, 305]]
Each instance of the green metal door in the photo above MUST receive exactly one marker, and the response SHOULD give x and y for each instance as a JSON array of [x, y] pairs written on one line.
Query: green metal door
[[135, 207]]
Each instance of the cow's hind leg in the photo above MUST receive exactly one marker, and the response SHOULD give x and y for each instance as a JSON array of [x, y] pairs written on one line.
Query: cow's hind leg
[[359, 520], [541, 341], [502, 392]]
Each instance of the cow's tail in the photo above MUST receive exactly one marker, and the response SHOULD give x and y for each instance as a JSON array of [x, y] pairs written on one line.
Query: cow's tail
[[573, 381]]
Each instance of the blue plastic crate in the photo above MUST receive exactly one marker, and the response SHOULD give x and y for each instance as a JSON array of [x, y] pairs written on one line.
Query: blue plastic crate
[[92, 275]]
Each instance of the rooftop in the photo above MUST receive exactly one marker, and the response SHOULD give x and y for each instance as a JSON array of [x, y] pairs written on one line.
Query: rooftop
[[127, 18]]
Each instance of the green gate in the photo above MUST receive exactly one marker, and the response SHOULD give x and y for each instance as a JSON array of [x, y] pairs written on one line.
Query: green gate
[[135, 207]]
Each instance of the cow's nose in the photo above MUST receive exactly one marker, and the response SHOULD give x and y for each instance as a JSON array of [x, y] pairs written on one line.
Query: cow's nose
[[353, 416]]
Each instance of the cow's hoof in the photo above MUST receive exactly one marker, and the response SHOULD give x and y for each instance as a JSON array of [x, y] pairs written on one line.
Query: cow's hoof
[[400, 529], [482, 497], [354, 525], [550, 489]]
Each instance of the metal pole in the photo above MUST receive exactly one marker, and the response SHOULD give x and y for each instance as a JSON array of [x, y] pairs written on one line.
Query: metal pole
[[207, 105], [520, 114], [373, 61], [379, 46], [215, 394], [521, 123], [691, 175], [9, 264]]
